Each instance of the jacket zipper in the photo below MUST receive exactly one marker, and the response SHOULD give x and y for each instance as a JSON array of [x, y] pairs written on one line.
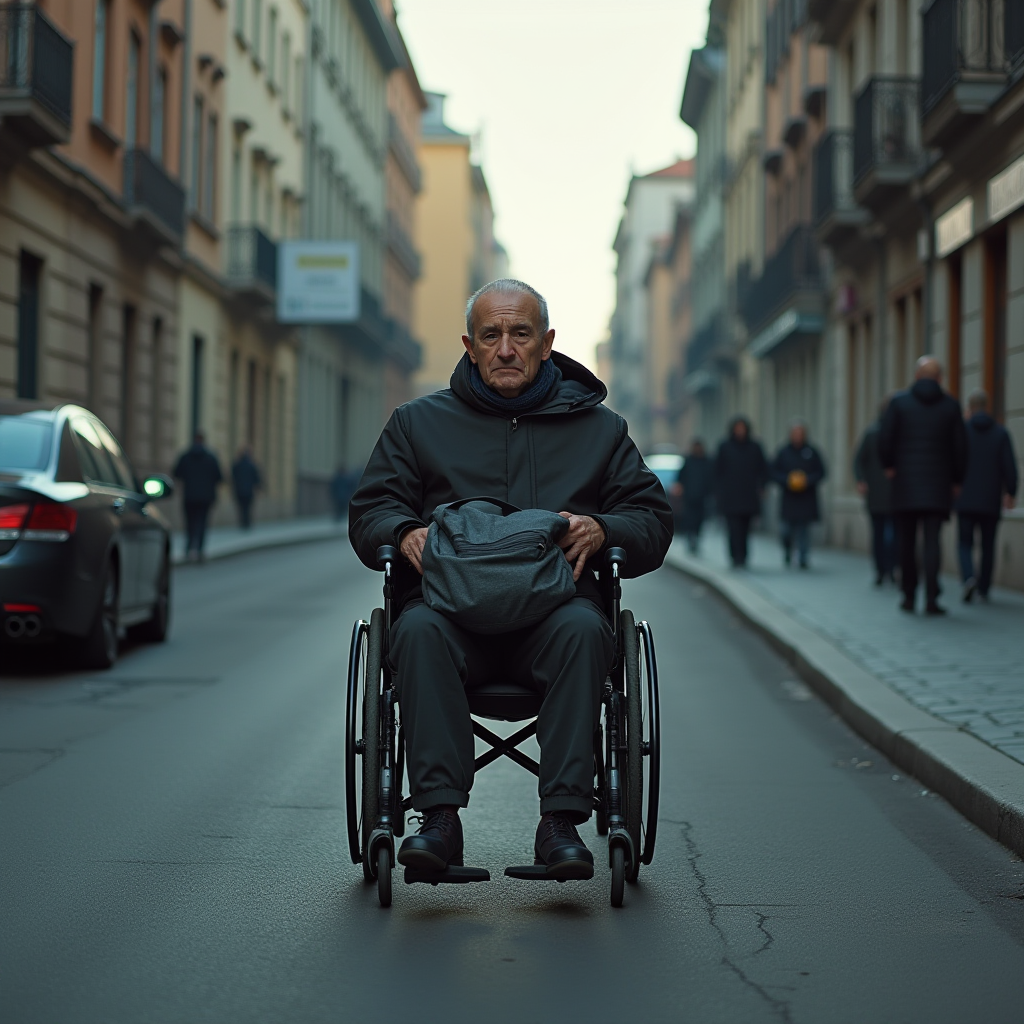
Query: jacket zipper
[[515, 423]]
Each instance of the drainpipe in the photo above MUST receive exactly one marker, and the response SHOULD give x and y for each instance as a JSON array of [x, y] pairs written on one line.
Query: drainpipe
[[186, 106]]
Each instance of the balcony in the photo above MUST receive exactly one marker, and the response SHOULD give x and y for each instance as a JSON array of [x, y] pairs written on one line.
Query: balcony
[[401, 247], [836, 213], [791, 280], [251, 263], [404, 154], [887, 149], [403, 349], [35, 76], [967, 44], [832, 17], [154, 199]]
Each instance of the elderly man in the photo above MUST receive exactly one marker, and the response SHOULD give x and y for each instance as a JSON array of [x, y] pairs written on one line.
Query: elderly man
[[923, 446], [798, 469], [527, 425]]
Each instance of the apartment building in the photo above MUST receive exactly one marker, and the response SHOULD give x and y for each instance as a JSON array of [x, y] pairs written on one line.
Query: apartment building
[[92, 212]]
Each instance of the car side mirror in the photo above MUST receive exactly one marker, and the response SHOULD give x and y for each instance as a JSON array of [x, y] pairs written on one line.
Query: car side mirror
[[158, 486]]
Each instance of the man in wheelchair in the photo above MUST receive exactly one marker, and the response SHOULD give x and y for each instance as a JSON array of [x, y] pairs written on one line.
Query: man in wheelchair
[[525, 424]]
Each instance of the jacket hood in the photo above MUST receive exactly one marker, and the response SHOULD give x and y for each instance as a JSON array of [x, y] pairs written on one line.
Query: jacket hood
[[982, 421], [578, 388], [927, 391]]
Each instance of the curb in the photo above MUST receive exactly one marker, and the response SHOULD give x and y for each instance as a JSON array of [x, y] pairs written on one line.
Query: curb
[[983, 784], [259, 544]]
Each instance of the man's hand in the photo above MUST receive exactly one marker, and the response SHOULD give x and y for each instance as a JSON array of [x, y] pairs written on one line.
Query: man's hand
[[862, 488], [1009, 501], [891, 473], [957, 491], [585, 536], [412, 544]]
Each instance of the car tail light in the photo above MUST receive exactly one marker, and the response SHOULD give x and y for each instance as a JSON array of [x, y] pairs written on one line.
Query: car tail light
[[22, 608], [12, 518], [51, 521]]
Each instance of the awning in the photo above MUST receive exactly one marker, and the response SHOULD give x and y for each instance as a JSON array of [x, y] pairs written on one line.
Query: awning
[[790, 322]]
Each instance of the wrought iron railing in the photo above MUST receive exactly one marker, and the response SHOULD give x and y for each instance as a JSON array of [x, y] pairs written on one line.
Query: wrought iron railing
[[35, 58], [401, 245], [964, 36], [251, 256], [793, 268], [833, 175], [148, 186], [886, 126]]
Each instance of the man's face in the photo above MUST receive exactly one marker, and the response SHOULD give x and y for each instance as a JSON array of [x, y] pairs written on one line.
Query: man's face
[[797, 436], [507, 345], [739, 430]]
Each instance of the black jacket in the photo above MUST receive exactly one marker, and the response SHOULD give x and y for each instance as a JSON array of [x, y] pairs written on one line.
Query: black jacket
[[740, 475], [798, 506], [991, 467], [697, 478], [572, 454], [924, 440], [245, 476], [199, 472], [868, 469]]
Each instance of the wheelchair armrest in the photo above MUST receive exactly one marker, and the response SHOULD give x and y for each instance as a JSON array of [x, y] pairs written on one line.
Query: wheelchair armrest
[[386, 553]]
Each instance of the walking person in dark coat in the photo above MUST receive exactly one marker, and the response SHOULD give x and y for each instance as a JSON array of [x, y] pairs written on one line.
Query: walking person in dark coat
[[923, 445], [989, 486], [694, 485], [876, 488], [246, 481], [740, 475], [199, 472], [798, 469]]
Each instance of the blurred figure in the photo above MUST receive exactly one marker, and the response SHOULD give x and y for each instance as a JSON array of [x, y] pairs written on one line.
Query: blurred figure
[[199, 473], [693, 486], [923, 445], [798, 469], [989, 486], [740, 475], [876, 488], [246, 481]]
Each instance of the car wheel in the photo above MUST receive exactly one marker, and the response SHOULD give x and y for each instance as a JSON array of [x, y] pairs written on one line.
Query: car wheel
[[155, 629], [99, 648]]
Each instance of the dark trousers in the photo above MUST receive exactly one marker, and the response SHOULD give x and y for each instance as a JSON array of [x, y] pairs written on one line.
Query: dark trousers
[[196, 515], [931, 524], [798, 534], [739, 531], [883, 543], [244, 512], [566, 657], [967, 523]]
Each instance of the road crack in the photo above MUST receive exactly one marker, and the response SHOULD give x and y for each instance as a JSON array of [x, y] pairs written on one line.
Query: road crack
[[780, 1007]]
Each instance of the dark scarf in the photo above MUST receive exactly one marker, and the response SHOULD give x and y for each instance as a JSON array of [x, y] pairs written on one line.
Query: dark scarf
[[547, 379]]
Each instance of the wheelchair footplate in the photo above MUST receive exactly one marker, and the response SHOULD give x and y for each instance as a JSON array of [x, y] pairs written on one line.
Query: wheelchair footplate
[[452, 875], [539, 873]]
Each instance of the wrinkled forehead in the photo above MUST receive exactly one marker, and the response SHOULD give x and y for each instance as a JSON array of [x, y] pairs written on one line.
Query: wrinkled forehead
[[505, 309]]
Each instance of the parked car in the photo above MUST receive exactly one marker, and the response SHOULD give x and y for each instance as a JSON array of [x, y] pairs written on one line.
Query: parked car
[[84, 553], [665, 466]]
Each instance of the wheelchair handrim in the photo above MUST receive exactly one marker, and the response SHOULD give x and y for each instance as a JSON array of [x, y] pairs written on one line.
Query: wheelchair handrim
[[353, 722]]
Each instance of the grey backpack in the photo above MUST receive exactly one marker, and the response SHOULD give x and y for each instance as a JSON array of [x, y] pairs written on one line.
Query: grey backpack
[[494, 568]]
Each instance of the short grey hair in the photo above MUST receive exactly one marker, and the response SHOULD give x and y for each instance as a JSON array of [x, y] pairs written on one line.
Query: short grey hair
[[507, 286], [977, 400]]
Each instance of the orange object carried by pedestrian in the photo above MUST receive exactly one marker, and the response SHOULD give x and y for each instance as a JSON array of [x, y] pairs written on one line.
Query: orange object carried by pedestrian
[[797, 480]]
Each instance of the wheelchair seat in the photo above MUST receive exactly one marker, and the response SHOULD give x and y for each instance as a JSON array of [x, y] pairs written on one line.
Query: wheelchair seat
[[502, 699]]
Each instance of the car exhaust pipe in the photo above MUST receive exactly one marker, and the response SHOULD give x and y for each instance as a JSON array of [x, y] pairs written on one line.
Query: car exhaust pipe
[[14, 627], [33, 626]]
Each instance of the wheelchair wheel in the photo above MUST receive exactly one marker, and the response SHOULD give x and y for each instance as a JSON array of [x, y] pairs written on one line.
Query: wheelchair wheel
[[651, 740], [618, 875], [353, 741], [633, 790], [371, 742], [384, 875]]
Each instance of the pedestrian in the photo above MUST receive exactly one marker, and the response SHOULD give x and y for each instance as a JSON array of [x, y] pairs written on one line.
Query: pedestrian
[[740, 475], [798, 469], [876, 488], [923, 445], [199, 473], [246, 481], [989, 486], [694, 486]]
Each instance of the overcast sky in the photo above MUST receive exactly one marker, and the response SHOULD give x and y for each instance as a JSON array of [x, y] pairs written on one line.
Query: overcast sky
[[570, 97]]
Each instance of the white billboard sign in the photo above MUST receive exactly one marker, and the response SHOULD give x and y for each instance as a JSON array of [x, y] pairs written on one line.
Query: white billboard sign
[[317, 282]]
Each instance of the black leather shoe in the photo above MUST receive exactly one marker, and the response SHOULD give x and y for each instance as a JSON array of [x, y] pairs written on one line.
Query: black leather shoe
[[437, 843], [558, 846], [907, 605]]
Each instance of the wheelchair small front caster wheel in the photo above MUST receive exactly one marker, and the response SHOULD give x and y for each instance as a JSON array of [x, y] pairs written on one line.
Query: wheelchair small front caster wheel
[[618, 874], [384, 876]]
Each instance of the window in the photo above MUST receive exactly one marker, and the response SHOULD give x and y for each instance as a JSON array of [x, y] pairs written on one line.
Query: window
[[128, 374], [156, 356], [28, 325], [233, 403], [197, 152], [272, 47], [122, 468], [95, 346], [210, 168], [131, 115], [196, 396], [298, 90], [236, 184], [286, 68], [240, 18], [268, 203], [156, 142], [254, 192], [257, 28], [99, 60], [95, 459]]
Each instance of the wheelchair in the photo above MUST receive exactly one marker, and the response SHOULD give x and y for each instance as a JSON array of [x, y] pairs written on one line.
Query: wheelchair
[[627, 746]]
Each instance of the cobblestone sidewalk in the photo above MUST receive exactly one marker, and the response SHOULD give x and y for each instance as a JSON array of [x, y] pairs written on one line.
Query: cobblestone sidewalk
[[966, 668]]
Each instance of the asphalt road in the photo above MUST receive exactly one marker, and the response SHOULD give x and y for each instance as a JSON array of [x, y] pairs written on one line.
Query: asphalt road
[[172, 846]]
